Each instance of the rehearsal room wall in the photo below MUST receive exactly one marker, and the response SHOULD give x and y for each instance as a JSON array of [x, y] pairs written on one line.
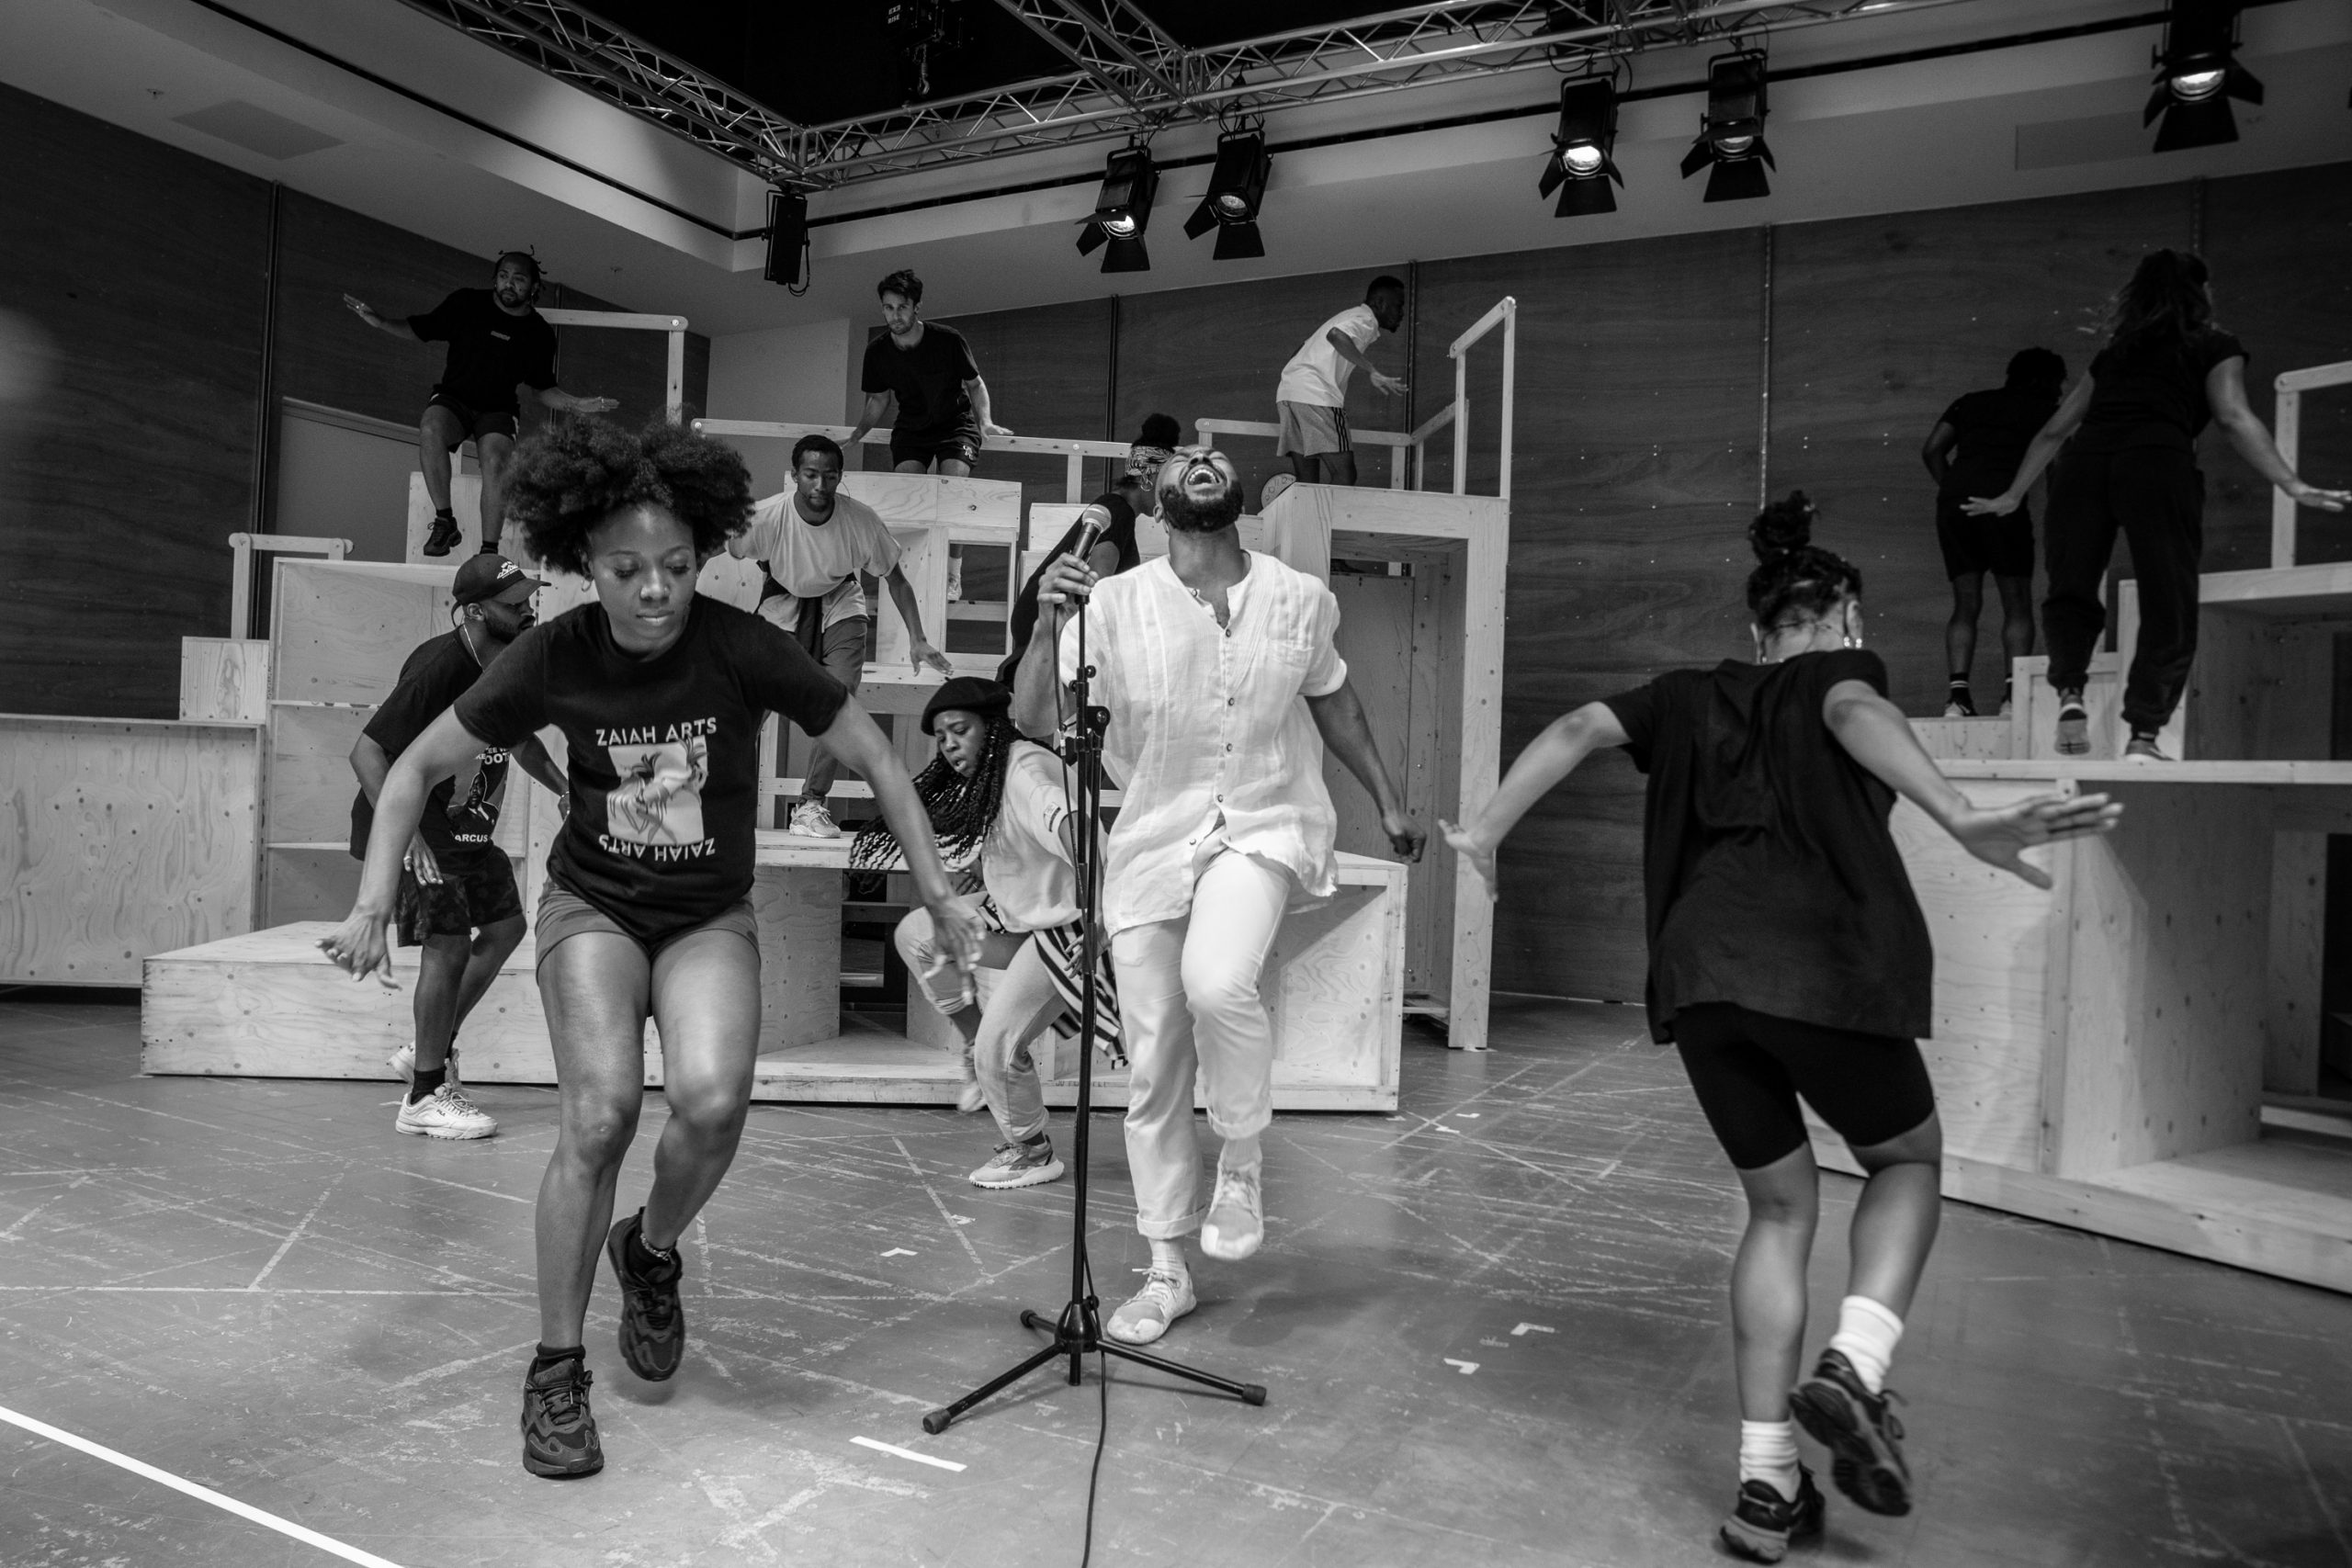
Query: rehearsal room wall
[[1641, 437], [147, 269]]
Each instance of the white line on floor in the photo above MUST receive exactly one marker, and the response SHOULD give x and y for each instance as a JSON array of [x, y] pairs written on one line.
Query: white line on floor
[[906, 1453], [202, 1493], [296, 1233]]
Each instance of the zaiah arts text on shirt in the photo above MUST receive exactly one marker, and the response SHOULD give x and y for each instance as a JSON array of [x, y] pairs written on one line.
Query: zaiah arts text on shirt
[[653, 734]]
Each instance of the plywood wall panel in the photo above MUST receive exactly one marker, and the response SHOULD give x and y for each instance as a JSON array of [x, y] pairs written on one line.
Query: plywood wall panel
[[1878, 323], [144, 266]]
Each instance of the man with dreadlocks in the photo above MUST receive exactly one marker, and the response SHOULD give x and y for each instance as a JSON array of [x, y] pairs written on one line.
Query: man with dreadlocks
[[994, 796]]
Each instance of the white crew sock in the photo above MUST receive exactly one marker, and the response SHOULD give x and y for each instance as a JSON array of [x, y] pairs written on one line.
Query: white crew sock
[[1241, 1154], [1768, 1452], [1866, 1335], [1168, 1257]]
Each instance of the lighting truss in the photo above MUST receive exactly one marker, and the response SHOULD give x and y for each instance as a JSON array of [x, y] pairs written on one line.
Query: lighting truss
[[1128, 77]]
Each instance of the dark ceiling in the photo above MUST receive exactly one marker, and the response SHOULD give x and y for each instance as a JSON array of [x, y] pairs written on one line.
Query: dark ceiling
[[816, 64]]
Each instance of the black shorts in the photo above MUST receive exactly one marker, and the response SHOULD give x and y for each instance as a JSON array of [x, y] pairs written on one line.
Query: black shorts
[[1749, 1069], [564, 914], [957, 447], [2002, 545], [474, 891], [477, 422]]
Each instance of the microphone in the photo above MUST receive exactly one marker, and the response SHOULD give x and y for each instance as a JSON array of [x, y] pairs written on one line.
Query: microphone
[[1089, 535]]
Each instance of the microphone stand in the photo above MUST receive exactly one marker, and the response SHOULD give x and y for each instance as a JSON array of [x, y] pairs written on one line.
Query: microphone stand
[[1077, 1331]]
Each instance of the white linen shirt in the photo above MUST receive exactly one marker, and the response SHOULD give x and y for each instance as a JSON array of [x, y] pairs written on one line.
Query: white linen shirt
[[1316, 374], [1024, 863], [811, 560], [1208, 726]]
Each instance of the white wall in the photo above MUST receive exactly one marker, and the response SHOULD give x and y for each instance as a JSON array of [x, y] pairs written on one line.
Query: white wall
[[799, 375]]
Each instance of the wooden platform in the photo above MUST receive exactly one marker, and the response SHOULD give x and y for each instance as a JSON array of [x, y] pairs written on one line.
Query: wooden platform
[[267, 1005]]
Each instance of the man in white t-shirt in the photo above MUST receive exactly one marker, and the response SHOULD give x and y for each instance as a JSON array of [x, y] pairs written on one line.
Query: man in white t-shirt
[[812, 543], [1313, 396]]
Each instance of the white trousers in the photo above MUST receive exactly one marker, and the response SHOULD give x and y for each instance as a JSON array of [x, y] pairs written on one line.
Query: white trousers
[[1188, 1003], [1017, 1011]]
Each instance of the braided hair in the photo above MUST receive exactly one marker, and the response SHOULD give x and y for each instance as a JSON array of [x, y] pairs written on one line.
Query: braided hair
[[962, 809], [1793, 573]]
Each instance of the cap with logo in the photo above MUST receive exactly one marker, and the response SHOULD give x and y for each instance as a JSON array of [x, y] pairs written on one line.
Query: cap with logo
[[492, 577]]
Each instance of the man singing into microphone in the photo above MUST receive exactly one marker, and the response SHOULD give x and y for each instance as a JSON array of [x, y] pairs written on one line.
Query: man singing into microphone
[[1223, 684]]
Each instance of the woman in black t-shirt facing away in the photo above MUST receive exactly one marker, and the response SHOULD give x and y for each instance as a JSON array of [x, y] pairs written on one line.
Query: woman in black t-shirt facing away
[[1787, 958], [2133, 420], [647, 912]]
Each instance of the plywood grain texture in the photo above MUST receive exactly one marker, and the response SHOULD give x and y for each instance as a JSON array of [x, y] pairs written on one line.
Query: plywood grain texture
[[145, 266], [224, 678], [121, 839]]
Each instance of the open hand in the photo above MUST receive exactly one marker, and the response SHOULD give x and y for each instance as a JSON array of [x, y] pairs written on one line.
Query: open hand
[[358, 946], [361, 309], [1405, 835], [992, 428], [420, 863], [1991, 506], [2324, 500], [921, 653], [1394, 385], [1999, 836], [957, 931], [599, 405], [1463, 844]]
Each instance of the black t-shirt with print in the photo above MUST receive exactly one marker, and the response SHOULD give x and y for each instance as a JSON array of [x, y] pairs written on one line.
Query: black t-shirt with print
[[436, 674], [2153, 395], [1994, 428], [1121, 535], [929, 380], [1770, 878], [490, 351], [664, 752]]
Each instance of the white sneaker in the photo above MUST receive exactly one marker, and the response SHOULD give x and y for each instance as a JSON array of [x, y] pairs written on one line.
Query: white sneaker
[[2008, 707], [445, 1113], [403, 1062], [1019, 1165], [1237, 1218], [811, 821], [1145, 1316], [1958, 710], [969, 1099], [955, 578]]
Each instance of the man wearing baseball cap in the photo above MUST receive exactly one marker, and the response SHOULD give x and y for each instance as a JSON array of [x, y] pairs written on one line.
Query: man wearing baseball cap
[[458, 898]]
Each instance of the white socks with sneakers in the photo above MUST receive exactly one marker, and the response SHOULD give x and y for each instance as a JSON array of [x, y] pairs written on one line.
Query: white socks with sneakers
[[1866, 1335], [1168, 1257], [1768, 1452]]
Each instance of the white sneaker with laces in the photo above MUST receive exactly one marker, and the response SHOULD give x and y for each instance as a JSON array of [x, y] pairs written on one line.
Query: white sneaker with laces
[[445, 1113], [1236, 1222], [403, 1062], [811, 821], [1958, 710], [1019, 1165], [1145, 1316]]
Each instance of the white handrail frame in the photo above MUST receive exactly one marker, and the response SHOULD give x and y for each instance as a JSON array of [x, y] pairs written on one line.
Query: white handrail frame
[[2287, 426], [1074, 452], [675, 388], [1397, 443], [1505, 311], [241, 568]]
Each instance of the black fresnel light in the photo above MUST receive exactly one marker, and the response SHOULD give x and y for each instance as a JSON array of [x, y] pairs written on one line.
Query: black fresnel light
[[1237, 190], [2198, 75], [1583, 162], [1731, 136], [1123, 211]]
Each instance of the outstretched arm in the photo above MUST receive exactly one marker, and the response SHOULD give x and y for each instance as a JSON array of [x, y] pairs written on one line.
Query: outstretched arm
[[557, 398], [919, 651], [1552, 756], [976, 391], [1340, 715], [1875, 734], [533, 758], [876, 405], [361, 309], [358, 945], [859, 742], [2046, 442], [1346, 346], [2226, 390]]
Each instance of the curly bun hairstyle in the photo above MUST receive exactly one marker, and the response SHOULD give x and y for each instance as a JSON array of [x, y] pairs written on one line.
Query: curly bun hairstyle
[[1161, 430], [1792, 574], [577, 472]]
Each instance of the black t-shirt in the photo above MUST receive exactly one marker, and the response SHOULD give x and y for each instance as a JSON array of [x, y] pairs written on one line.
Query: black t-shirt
[[1120, 532], [1994, 428], [929, 380], [1770, 879], [2153, 395], [435, 675], [490, 351], [664, 752]]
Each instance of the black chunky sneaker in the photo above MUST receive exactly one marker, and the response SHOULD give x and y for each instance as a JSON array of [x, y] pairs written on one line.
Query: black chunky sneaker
[[1763, 1523], [653, 1324], [443, 533], [558, 1433], [1863, 1437]]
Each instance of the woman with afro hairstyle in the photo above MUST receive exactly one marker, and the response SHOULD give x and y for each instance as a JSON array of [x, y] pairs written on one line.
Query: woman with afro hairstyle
[[999, 799], [1787, 958], [660, 698], [2129, 431]]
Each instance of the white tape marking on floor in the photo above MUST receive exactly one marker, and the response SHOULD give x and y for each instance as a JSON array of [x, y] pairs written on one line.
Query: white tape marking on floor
[[900, 1252], [1465, 1368], [201, 1494], [1525, 1329], [906, 1453]]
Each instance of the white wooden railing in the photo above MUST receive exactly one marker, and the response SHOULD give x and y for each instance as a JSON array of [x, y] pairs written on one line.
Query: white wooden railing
[[1073, 453], [674, 396], [2287, 423]]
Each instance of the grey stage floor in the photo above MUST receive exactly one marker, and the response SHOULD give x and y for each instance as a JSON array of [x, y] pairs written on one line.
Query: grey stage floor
[[1492, 1326]]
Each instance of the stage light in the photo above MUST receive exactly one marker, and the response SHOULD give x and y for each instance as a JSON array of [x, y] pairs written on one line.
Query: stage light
[[1731, 136], [1583, 163], [1237, 189], [2198, 75], [1123, 211]]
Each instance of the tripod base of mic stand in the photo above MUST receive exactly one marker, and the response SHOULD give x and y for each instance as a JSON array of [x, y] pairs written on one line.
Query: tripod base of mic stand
[[1077, 1335]]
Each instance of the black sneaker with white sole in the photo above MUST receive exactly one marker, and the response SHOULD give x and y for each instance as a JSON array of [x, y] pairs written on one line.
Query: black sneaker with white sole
[[654, 1322], [2073, 738], [1763, 1523], [443, 533], [559, 1432], [1862, 1435]]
